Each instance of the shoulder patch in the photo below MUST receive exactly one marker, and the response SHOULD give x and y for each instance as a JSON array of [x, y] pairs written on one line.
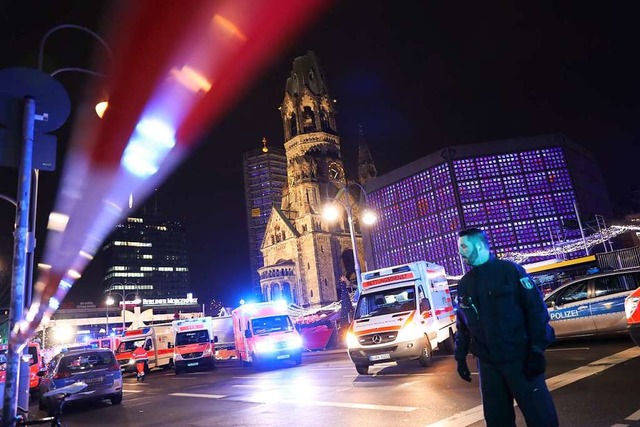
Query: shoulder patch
[[526, 282]]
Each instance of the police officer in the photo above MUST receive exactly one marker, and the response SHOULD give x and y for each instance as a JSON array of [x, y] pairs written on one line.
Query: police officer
[[503, 321]]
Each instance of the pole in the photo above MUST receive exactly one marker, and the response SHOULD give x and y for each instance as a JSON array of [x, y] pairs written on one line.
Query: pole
[[123, 314], [10, 403], [584, 241], [356, 262], [31, 246], [107, 320]]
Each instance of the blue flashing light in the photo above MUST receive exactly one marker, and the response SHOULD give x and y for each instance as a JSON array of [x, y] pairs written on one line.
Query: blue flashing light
[[149, 145]]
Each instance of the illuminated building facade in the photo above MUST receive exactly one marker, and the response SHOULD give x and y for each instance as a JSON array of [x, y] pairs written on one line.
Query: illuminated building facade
[[147, 253], [520, 191], [265, 176]]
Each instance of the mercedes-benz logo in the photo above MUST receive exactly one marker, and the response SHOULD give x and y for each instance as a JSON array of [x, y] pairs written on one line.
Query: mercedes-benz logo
[[377, 339]]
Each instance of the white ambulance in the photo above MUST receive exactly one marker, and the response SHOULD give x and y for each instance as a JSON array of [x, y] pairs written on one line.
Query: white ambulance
[[157, 340], [194, 342], [403, 312], [264, 333]]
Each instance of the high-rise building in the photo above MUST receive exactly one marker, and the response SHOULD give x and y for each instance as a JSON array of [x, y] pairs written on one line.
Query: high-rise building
[[147, 254], [265, 176], [523, 192]]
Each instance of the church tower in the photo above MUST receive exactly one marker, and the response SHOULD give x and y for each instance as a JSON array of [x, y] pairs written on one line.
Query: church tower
[[304, 255]]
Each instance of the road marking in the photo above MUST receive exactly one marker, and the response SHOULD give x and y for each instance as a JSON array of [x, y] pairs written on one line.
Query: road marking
[[132, 391], [634, 417], [334, 404], [206, 396], [569, 349], [475, 414], [620, 425]]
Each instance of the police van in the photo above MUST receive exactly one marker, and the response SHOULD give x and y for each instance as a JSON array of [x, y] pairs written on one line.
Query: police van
[[592, 305], [403, 312]]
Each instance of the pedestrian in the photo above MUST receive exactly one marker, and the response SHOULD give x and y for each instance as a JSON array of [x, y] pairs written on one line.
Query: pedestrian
[[503, 321], [139, 355]]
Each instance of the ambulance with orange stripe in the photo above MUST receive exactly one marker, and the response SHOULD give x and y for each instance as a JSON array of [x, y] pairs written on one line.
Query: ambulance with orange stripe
[[403, 312], [157, 340]]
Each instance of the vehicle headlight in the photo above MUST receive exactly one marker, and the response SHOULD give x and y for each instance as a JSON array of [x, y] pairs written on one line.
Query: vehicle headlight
[[207, 352], [295, 342], [177, 356], [264, 346], [132, 361], [409, 332], [352, 340], [630, 306]]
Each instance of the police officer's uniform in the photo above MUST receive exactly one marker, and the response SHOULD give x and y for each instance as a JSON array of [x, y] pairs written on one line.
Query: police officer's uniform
[[501, 320]]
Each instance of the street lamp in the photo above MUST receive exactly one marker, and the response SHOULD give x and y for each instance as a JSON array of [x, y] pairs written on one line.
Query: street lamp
[[331, 212], [109, 302], [123, 295], [36, 172]]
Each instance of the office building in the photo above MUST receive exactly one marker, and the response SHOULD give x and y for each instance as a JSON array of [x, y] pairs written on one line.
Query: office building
[[523, 192]]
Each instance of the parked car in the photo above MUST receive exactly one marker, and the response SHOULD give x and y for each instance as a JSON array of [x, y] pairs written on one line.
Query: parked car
[[592, 305], [632, 310], [98, 368]]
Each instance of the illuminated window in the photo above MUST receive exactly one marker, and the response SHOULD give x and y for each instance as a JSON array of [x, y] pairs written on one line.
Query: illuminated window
[[146, 268], [147, 256], [132, 219]]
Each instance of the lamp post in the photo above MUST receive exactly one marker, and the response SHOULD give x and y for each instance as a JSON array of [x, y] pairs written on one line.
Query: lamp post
[[36, 172], [109, 302], [368, 217], [123, 294]]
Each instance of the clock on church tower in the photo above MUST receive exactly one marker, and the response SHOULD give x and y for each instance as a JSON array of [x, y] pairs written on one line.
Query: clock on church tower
[[335, 171]]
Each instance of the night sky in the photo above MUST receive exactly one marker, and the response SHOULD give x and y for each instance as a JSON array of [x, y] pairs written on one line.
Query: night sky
[[418, 76]]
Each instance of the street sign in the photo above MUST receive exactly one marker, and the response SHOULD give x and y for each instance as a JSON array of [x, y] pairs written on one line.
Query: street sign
[[44, 150], [52, 101]]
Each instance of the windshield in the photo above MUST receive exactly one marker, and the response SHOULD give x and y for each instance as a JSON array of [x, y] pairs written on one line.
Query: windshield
[[86, 361], [396, 300], [127, 346], [263, 325], [192, 337]]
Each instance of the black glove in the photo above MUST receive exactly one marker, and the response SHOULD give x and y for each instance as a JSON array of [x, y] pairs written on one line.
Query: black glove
[[534, 364], [463, 370]]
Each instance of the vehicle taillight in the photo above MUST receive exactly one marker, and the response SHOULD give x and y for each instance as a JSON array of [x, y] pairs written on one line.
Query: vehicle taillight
[[60, 375], [114, 367]]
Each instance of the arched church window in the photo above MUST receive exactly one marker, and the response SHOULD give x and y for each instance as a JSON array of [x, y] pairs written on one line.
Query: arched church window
[[293, 125], [308, 120], [324, 120]]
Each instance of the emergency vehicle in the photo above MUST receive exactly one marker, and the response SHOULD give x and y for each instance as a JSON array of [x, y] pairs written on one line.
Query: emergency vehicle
[[265, 333], [632, 311], [194, 343], [36, 364], [403, 312], [157, 340], [223, 329], [111, 343]]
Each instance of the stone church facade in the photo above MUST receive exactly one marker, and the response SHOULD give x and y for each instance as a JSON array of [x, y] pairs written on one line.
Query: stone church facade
[[305, 255]]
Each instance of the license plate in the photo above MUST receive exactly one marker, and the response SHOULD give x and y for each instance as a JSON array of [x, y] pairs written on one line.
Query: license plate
[[192, 364], [93, 380], [379, 357], [282, 356]]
